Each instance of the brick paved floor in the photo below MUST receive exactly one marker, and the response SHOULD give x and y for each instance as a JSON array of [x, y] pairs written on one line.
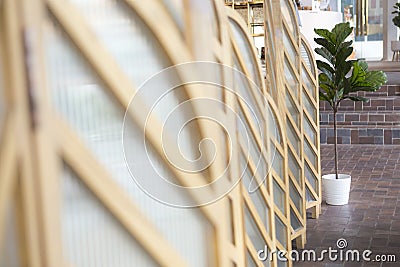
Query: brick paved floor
[[371, 220]]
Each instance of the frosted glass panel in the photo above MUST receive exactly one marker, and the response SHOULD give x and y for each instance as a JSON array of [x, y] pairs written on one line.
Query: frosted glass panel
[[91, 235], [305, 54], [83, 101], [280, 230], [125, 36], [296, 198], [203, 13], [248, 139], [291, 79], [244, 94], [250, 260], [277, 163], [253, 232], [243, 13], [294, 140], [176, 9], [9, 255], [309, 196], [292, 109], [309, 107], [310, 153], [308, 82], [294, 221], [311, 177], [287, 14], [309, 131], [291, 51], [272, 124], [247, 53], [279, 196], [294, 166], [257, 199]]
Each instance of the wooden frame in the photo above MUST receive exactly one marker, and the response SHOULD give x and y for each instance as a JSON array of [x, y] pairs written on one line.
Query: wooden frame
[[31, 160]]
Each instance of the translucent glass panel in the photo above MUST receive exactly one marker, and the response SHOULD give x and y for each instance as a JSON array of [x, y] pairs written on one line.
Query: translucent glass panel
[[294, 166], [288, 15], [291, 79], [294, 221], [176, 9], [273, 127], [203, 13], [245, 94], [307, 56], [250, 260], [309, 84], [310, 176], [277, 160], [309, 131], [10, 252], [312, 157], [125, 36], [246, 52], [82, 100], [91, 235], [309, 196], [250, 145], [309, 106], [279, 196], [293, 138], [296, 198], [280, 230], [292, 109], [253, 232], [257, 199], [290, 49]]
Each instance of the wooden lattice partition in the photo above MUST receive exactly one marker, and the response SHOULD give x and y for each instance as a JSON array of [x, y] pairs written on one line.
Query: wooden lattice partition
[[68, 74]]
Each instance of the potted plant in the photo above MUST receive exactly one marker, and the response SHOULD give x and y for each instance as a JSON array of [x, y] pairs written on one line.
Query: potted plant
[[340, 79], [395, 45]]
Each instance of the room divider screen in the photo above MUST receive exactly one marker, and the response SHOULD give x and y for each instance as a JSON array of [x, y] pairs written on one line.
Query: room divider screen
[[143, 133]]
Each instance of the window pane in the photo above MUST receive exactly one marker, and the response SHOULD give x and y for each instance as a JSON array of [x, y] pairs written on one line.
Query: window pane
[[253, 232], [91, 235], [277, 161], [292, 109], [310, 153], [309, 131], [308, 82], [294, 166], [291, 51], [294, 221], [279, 196], [287, 14], [296, 198], [309, 107], [281, 233], [246, 51], [291, 79], [311, 177], [293, 138]]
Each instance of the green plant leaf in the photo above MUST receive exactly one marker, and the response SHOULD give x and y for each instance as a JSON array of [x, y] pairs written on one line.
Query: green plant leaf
[[327, 44], [358, 98], [341, 31], [325, 54]]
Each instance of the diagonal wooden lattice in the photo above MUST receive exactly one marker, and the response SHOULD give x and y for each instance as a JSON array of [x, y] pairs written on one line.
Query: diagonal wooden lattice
[[67, 79]]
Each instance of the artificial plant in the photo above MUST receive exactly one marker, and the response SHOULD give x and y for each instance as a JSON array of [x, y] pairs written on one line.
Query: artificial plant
[[341, 78]]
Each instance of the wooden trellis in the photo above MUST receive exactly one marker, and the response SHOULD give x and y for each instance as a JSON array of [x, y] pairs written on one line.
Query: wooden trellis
[[68, 71]]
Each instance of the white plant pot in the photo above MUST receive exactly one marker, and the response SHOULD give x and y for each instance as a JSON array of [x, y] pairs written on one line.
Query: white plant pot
[[336, 191], [395, 46]]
